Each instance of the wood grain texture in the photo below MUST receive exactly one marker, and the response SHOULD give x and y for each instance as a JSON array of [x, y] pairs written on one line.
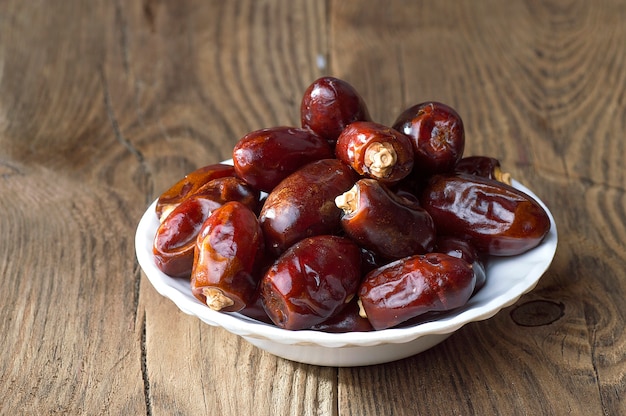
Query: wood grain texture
[[104, 104], [540, 86]]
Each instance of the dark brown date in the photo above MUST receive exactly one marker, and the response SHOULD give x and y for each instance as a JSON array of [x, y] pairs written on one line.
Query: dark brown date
[[379, 221], [375, 151], [458, 247], [302, 205], [312, 281], [438, 136], [227, 258], [175, 239], [265, 157], [346, 320], [329, 105], [410, 287], [188, 185], [255, 309], [494, 217], [483, 166]]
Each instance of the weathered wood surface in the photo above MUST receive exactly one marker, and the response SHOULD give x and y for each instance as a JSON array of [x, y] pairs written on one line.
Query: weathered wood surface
[[104, 104]]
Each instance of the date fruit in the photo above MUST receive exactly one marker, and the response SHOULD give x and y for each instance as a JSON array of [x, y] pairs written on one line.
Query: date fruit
[[346, 320], [329, 105], [494, 217], [302, 205], [230, 188], [379, 221], [438, 136], [265, 157], [311, 281], [227, 258], [483, 166], [375, 151], [175, 239], [410, 287], [188, 185]]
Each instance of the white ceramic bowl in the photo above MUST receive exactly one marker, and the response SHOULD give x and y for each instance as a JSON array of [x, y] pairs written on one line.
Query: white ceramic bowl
[[507, 280]]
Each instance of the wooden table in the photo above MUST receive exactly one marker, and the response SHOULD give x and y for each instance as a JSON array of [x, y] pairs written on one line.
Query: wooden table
[[104, 104]]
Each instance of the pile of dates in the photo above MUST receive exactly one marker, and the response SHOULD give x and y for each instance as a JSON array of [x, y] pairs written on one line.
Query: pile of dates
[[345, 224]]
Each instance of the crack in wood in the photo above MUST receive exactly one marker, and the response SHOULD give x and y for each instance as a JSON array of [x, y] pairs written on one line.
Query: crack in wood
[[144, 368]]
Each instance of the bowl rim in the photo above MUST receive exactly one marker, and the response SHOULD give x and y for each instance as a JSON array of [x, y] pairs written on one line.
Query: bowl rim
[[538, 259]]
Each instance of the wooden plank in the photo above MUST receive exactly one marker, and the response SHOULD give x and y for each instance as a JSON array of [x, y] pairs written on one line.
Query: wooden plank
[[68, 276], [527, 97]]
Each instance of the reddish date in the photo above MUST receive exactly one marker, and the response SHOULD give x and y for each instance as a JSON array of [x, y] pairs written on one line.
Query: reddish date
[[380, 221], [175, 239], [227, 258], [494, 217], [375, 151], [265, 157], [188, 185], [438, 136], [312, 281], [302, 205], [329, 105], [413, 286]]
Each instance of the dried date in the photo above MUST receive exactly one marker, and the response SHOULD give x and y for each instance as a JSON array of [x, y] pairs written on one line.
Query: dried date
[[416, 285], [494, 217]]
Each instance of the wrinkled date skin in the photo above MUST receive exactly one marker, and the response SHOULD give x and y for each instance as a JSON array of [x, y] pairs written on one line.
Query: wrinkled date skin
[[188, 185], [329, 105], [438, 136], [458, 247], [413, 286], [483, 166], [229, 250], [303, 205], [495, 218], [376, 151], [175, 239], [265, 157], [312, 281], [379, 221]]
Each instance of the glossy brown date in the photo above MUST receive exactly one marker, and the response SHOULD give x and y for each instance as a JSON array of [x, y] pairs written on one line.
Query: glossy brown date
[[410, 287], [175, 239], [188, 185], [459, 247], [227, 258], [494, 217], [329, 105], [483, 166], [302, 205], [379, 221], [312, 281], [438, 136], [265, 157], [375, 151]]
